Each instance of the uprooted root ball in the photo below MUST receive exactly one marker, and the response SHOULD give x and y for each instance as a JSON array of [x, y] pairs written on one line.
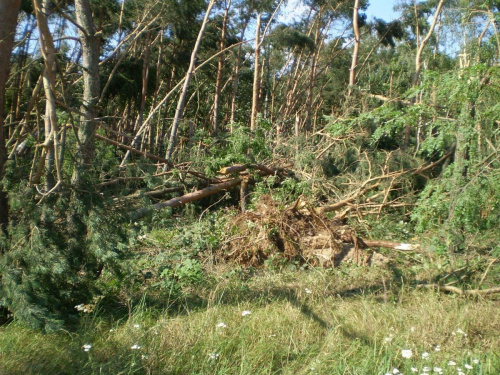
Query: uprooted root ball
[[296, 234]]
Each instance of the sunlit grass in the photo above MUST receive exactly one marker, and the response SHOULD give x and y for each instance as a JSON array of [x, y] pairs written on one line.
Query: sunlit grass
[[314, 322]]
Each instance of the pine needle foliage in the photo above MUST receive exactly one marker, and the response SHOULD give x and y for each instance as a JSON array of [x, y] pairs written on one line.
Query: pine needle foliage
[[57, 251]]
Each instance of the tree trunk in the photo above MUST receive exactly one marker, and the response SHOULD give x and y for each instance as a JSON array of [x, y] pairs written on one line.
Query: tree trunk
[[182, 99], [220, 66], [91, 89], [49, 83], [357, 36], [138, 124], [418, 64], [237, 75], [255, 95], [8, 21], [312, 79], [418, 57], [144, 91]]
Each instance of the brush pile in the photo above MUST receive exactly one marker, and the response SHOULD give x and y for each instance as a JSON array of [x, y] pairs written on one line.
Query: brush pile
[[296, 234]]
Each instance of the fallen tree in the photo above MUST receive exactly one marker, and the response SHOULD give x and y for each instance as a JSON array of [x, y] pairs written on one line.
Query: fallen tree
[[187, 198]]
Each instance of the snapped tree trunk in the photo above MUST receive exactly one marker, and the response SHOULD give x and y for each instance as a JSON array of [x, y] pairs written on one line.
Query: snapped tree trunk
[[91, 89], [182, 98], [8, 21]]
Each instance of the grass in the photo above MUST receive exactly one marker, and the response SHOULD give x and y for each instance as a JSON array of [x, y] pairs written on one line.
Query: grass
[[342, 321]]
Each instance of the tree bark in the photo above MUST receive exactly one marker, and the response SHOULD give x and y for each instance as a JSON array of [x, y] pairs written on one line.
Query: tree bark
[[91, 90], [191, 197], [418, 57], [237, 74], [8, 21], [357, 36], [220, 66], [140, 118], [418, 63], [49, 84], [255, 94], [182, 99]]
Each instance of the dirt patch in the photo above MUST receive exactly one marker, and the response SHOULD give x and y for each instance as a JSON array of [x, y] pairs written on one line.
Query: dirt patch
[[294, 234]]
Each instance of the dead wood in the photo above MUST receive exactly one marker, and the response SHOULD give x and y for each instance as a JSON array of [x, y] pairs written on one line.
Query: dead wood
[[376, 182], [191, 197], [263, 169], [153, 193], [462, 292], [386, 99], [237, 168], [390, 245], [298, 234], [155, 158], [126, 179], [345, 202], [135, 151]]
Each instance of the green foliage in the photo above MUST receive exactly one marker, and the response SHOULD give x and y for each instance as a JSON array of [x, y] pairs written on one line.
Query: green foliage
[[288, 37], [242, 146], [57, 251]]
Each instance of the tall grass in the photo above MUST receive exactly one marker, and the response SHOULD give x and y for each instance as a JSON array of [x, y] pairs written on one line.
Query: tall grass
[[316, 322]]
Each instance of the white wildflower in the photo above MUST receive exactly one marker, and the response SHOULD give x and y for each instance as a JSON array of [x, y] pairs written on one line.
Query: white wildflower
[[475, 361], [439, 370], [468, 367], [135, 347], [395, 371], [406, 353], [246, 312], [308, 291], [425, 355], [426, 369], [412, 329], [87, 347], [413, 369], [452, 363], [221, 325], [461, 373], [213, 356], [137, 326], [437, 348], [389, 338]]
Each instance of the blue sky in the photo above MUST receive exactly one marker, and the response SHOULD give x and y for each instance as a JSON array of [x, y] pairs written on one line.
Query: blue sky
[[377, 8], [382, 9]]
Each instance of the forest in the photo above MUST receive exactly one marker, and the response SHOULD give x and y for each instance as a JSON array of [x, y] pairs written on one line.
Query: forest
[[249, 186]]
